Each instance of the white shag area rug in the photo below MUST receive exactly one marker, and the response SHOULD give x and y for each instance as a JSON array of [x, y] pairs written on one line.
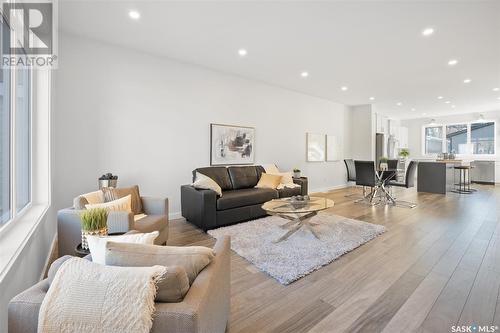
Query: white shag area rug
[[302, 253]]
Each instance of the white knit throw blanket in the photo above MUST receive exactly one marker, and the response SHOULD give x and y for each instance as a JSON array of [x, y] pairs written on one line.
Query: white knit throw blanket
[[89, 297]]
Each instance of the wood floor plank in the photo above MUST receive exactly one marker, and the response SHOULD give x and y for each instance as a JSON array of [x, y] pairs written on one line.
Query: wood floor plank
[[414, 311]]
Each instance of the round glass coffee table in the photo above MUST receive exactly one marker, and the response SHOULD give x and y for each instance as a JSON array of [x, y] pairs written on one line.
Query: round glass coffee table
[[299, 213]]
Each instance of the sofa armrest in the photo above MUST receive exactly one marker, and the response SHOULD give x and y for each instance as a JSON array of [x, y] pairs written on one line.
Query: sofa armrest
[[206, 306], [69, 229], [302, 181], [24, 308], [199, 206], [155, 206]]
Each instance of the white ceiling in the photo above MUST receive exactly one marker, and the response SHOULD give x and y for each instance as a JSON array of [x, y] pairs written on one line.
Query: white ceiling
[[374, 48]]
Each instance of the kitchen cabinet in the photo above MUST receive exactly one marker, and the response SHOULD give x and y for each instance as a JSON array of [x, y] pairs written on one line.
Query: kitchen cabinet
[[483, 172]]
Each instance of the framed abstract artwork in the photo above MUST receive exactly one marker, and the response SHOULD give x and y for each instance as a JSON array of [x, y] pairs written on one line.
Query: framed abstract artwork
[[315, 147], [230, 145]]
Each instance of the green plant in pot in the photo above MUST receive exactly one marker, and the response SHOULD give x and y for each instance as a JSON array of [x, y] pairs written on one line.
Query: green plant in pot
[[94, 222], [296, 173], [383, 163], [404, 153]]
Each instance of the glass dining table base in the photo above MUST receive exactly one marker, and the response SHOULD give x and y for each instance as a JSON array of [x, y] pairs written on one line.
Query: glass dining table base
[[297, 222]]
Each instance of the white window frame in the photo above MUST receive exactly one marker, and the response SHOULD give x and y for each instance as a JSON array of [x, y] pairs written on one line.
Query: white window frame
[[14, 215], [469, 138]]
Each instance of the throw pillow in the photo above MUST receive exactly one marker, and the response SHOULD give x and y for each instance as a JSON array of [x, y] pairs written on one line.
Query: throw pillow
[[97, 244], [268, 180], [122, 204], [286, 177], [94, 197], [192, 258], [79, 202], [206, 183], [111, 194], [271, 168], [172, 286]]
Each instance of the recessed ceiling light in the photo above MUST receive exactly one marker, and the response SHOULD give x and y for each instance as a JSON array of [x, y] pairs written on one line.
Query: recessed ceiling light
[[427, 31], [447, 102], [413, 109], [453, 106], [498, 98], [440, 97], [399, 103], [372, 98], [452, 62], [424, 114], [135, 15], [467, 81], [496, 89], [242, 52], [344, 88], [304, 74]]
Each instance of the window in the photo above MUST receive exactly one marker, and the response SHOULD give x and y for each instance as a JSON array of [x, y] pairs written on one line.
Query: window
[[482, 137], [434, 140], [476, 138], [23, 139], [5, 212], [456, 138], [15, 147]]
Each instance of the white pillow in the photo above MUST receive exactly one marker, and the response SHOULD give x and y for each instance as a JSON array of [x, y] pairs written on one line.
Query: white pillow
[[206, 183], [271, 168], [94, 197], [97, 244], [122, 204]]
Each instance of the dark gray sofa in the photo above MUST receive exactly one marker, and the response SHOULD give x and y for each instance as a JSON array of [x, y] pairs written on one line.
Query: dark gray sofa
[[240, 201]]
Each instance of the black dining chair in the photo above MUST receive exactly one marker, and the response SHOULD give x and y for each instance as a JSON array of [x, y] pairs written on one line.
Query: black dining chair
[[365, 176], [392, 164], [409, 182], [351, 173]]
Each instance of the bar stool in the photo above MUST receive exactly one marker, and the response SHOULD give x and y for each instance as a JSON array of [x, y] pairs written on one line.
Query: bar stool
[[464, 180]]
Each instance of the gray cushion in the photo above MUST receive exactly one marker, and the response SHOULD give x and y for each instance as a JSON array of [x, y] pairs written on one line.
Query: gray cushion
[[218, 174], [289, 192], [192, 258], [243, 177], [245, 197], [172, 288], [79, 202], [55, 267]]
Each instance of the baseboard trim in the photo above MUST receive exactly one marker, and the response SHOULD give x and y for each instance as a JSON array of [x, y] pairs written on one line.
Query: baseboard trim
[[331, 188], [174, 216], [51, 255]]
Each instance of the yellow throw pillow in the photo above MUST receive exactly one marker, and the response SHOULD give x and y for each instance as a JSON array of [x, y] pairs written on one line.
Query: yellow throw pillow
[[122, 204], [268, 181]]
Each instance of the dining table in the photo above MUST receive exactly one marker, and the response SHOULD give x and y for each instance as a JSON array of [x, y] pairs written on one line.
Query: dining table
[[380, 191]]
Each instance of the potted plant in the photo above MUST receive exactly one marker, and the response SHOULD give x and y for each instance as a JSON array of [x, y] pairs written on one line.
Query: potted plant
[[296, 173], [383, 163], [404, 153], [94, 222]]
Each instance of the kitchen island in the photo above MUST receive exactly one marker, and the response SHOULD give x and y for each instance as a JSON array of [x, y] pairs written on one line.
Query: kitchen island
[[437, 176]]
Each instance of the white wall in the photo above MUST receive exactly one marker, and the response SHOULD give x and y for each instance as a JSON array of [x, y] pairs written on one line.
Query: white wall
[[362, 132], [147, 119]]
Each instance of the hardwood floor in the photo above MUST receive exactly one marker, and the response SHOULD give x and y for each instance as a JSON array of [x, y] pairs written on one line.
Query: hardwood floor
[[438, 265]]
